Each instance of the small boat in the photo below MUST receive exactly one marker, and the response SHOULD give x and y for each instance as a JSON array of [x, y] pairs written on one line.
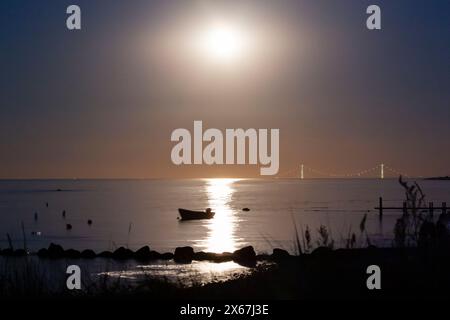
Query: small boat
[[194, 215]]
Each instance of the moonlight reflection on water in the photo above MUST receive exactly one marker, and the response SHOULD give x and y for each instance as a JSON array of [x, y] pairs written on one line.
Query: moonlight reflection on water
[[221, 229]]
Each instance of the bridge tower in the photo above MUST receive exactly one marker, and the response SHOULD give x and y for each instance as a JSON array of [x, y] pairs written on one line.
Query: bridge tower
[[382, 171], [301, 172]]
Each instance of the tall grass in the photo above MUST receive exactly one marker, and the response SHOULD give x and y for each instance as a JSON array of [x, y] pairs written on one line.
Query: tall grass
[[408, 226], [417, 226], [304, 243]]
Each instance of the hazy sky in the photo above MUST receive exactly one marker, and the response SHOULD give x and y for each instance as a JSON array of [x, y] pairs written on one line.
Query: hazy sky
[[102, 102]]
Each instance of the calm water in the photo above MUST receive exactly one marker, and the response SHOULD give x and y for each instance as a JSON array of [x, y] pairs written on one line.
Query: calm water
[[150, 207]]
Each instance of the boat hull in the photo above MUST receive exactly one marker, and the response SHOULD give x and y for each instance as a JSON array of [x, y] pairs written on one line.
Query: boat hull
[[195, 215]]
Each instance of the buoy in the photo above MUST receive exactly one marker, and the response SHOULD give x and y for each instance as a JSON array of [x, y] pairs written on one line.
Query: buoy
[[89, 222]]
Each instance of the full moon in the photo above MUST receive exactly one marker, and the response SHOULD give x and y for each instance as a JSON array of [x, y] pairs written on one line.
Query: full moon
[[222, 43]]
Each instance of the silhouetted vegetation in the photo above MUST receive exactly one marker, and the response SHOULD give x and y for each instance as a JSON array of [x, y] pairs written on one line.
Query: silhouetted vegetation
[[418, 226]]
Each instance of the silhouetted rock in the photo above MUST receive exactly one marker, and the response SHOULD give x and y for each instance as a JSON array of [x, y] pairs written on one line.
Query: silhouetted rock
[[105, 254], [143, 253], [20, 253], [212, 256], [201, 256], [167, 256], [245, 253], [245, 256], [155, 255], [72, 254], [88, 254], [184, 254], [280, 255], [55, 251], [122, 253], [42, 253], [7, 252], [263, 257], [223, 257]]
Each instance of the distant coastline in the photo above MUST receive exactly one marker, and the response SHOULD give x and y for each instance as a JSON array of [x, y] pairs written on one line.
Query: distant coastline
[[438, 178]]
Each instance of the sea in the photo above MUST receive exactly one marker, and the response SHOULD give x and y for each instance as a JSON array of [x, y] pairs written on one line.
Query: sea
[[134, 213]]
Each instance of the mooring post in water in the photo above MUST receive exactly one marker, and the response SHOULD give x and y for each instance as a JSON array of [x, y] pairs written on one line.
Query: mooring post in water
[[380, 208], [431, 209], [444, 207]]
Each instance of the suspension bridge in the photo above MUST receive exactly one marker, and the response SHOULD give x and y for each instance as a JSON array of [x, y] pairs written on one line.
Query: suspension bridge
[[380, 171]]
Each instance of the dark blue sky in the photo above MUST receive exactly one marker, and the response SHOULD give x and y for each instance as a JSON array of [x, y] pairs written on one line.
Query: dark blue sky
[[102, 102]]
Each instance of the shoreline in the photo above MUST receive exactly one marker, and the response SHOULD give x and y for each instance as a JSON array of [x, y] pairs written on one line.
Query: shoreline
[[323, 273], [245, 256]]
